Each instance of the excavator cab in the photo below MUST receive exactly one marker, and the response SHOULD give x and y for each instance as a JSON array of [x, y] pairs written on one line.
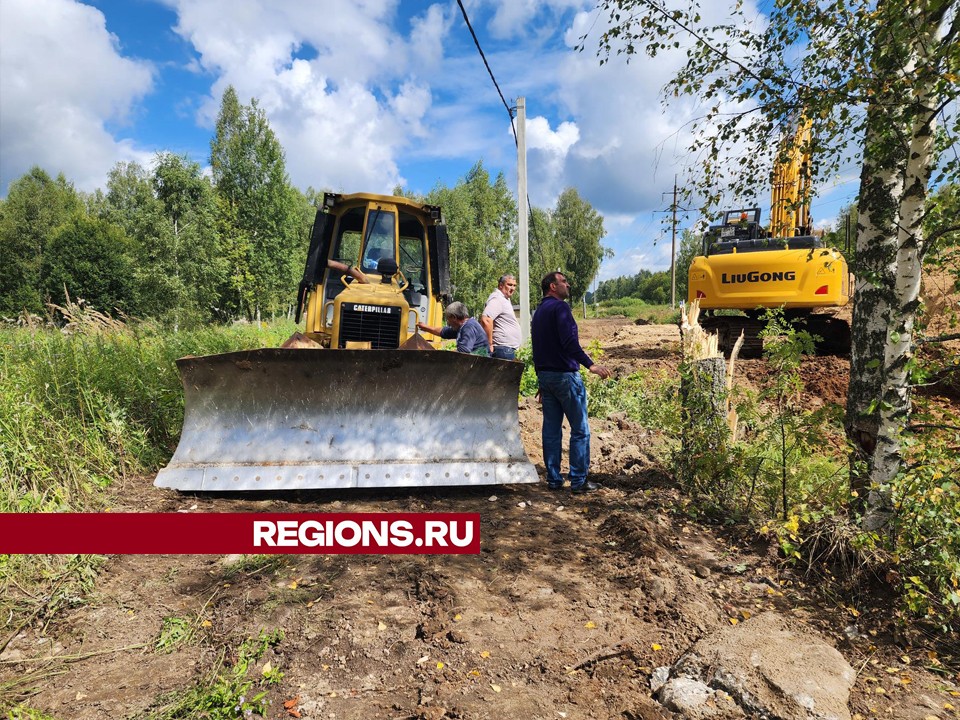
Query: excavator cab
[[737, 225]]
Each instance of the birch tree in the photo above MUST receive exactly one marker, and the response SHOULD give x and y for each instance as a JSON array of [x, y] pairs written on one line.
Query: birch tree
[[578, 228], [874, 77]]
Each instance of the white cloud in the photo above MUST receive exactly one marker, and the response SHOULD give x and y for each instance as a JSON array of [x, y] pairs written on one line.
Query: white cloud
[[541, 137], [428, 31], [62, 80], [343, 90], [512, 16], [516, 18], [359, 91], [630, 144], [547, 151]]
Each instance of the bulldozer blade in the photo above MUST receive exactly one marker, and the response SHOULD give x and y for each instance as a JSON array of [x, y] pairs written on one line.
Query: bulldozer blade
[[291, 419]]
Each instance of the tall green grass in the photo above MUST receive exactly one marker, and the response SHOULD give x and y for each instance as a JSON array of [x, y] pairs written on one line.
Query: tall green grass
[[78, 412], [82, 409]]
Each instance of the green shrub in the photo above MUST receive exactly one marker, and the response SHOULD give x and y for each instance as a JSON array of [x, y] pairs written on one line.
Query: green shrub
[[528, 381], [648, 397], [782, 468], [22, 712], [924, 542], [789, 476], [708, 466]]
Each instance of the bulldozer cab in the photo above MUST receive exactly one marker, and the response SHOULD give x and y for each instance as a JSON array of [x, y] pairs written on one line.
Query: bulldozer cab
[[364, 230]]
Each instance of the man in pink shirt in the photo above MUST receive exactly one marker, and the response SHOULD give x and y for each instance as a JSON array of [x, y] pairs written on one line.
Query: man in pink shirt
[[499, 321]]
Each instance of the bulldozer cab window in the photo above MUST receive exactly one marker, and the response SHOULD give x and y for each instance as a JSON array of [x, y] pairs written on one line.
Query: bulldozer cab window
[[413, 265], [380, 241], [413, 254], [346, 248]]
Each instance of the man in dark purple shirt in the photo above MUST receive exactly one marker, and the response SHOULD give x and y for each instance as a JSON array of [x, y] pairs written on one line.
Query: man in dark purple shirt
[[470, 335], [557, 357]]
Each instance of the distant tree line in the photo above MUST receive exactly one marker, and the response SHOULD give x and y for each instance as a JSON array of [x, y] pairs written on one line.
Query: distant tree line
[[653, 287], [177, 245]]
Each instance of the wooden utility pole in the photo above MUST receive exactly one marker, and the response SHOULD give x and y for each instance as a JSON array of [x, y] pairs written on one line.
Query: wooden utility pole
[[524, 279]]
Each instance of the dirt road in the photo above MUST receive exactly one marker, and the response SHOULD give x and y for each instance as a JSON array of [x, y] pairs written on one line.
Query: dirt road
[[566, 612]]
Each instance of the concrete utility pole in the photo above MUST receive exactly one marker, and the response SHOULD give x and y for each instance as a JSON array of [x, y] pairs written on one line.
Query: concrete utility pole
[[673, 250], [524, 279]]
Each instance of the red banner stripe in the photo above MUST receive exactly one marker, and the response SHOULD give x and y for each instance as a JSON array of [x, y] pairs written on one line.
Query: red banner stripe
[[227, 533]]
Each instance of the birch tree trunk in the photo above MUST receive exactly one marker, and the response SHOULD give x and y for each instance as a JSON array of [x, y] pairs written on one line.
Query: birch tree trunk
[[876, 70], [890, 250]]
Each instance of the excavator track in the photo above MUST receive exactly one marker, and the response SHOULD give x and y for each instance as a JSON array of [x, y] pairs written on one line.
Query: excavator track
[[832, 335]]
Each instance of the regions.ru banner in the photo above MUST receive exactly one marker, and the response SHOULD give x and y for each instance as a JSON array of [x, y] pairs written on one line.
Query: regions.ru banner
[[229, 533]]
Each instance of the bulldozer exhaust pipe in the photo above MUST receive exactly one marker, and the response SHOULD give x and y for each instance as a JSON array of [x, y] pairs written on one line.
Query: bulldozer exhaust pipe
[[296, 419]]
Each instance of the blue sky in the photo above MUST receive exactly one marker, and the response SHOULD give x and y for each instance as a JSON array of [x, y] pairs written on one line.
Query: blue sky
[[363, 95]]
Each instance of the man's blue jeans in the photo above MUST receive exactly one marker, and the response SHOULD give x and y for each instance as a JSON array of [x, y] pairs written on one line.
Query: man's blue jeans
[[504, 352], [563, 394]]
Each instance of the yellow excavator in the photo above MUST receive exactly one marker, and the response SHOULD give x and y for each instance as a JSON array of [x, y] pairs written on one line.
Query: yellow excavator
[[747, 268], [362, 400]]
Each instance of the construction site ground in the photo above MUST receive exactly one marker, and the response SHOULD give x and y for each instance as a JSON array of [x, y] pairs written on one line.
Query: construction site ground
[[565, 613]]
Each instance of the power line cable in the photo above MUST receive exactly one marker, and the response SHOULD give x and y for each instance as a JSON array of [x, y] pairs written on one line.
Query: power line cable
[[476, 42], [509, 110]]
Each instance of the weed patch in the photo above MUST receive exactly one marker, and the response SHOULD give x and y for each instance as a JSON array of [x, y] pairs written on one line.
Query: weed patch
[[25, 713], [231, 689], [80, 408], [637, 309]]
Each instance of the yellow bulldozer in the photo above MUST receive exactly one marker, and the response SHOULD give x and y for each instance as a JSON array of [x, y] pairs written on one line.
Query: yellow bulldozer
[[365, 401], [747, 268]]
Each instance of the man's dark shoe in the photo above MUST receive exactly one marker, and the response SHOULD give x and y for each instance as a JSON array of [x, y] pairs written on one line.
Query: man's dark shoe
[[585, 488], [554, 487]]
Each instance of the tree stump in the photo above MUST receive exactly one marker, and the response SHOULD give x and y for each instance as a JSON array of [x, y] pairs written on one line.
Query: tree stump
[[704, 383], [709, 423]]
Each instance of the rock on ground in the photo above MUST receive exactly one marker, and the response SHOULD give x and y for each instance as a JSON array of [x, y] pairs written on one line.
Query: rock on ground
[[774, 669]]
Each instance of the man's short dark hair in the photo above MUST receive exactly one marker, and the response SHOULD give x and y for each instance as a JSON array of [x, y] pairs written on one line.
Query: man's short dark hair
[[548, 280]]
